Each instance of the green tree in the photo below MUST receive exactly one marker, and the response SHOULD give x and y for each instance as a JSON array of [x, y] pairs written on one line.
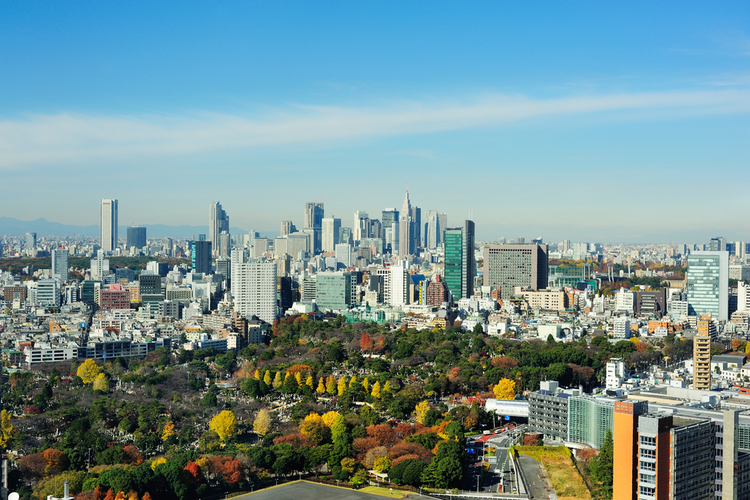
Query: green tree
[[601, 466]]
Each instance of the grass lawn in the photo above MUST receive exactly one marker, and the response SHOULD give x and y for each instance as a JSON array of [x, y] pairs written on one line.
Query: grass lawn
[[566, 480], [384, 491]]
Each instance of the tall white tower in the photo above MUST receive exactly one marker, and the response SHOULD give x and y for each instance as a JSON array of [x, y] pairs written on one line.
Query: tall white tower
[[405, 246], [108, 224]]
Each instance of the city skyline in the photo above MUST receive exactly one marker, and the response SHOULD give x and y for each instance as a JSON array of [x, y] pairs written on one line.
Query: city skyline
[[546, 120]]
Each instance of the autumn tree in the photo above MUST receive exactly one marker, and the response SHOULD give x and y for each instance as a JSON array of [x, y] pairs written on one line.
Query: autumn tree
[[421, 411], [225, 425], [101, 383], [331, 385], [278, 381], [6, 429], [263, 422], [382, 464], [376, 390], [321, 387], [736, 344], [366, 343], [342, 386], [310, 382], [505, 389], [267, 378], [168, 431], [194, 470], [329, 417], [55, 461], [88, 371]]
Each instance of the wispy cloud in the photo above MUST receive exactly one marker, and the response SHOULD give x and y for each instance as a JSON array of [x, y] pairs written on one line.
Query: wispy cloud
[[62, 139]]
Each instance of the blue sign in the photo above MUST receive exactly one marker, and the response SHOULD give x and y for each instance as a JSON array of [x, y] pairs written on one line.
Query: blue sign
[[507, 417]]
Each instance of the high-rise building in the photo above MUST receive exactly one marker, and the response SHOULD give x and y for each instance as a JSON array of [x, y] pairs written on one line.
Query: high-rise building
[[433, 231], [702, 353], [361, 225], [436, 292], [254, 288], [717, 244], [200, 256], [336, 291], [99, 266], [399, 284], [136, 237], [459, 261], [150, 289], [708, 284], [405, 234], [48, 292], [287, 227], [60, 265], [225, 244], [314, 221], [416, 228], [30, 243], [218, 221], [344, 254], [108, 224], [442, 225], [330, 234], [509, 266]]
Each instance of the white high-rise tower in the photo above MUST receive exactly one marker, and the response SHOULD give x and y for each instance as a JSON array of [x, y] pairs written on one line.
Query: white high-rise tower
[[405, 244], [108, 224]]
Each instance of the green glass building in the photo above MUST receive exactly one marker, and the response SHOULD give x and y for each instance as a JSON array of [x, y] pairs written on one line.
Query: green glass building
[[459, 261]]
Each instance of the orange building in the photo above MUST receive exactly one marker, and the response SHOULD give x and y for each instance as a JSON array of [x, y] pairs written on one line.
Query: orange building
[[625, 460]]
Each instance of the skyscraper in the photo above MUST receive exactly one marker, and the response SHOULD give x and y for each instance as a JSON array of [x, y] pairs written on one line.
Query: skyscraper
[[405, 242], [708, 284], [30, 241], [200, 256], [433, 232], [254, 289], [60, 264], [218, 221], [459, 260], [509, 266], [702, 353], [108, 224], [314, 220], [361, 225], [287, 227], [416, 228], [390, 229], [136, 237], [330, 234]]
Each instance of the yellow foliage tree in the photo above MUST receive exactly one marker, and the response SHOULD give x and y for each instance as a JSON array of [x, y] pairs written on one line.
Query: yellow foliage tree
[[353, 381], [267, 378], [505, 389], [330, 417], [120, 496], [132, 495], [306, 424], [387, 386], [310, 382], [256, 374], [421, 411], [88, 371], [168, 431], [225, 425], [342, 385], [382, 464], [298, 377], [331, 385], [6, 429], [366, 384], [101, 383], [376, 390], [263, 422], [321, 387], [747, 348], [157, 462], [278, 381]]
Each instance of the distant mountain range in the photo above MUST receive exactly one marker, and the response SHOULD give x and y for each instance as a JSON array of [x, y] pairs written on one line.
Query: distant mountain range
[[42, 227]]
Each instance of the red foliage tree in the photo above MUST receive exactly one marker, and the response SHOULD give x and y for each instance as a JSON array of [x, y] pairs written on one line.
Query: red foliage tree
[[403, 431], [366, 343], [363, 445], [229, 468], [383, 433], [110, 495], [504, 362], [404, 448], [403, 458], [32, 465], [132, 454], [194, 470], [296, 440], [380, 344]]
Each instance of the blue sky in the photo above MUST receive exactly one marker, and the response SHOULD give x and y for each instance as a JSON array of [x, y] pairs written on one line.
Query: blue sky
[[592, 121]]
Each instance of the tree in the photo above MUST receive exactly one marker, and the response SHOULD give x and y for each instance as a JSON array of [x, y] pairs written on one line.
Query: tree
[[331, 385], [88, 371], [263, 422], [55, 461], [278, 381], [421, 411], [321, 387], [747, 348], [146, 496], [330, 417], [382, 464], [194, 470], [101, 383], [267, 378], [310, 382], [225, 425], [168, 431], [366, 384], [601, 466], [376, 390], [6, 429], [342, 386], [366, 343], [505, 389]]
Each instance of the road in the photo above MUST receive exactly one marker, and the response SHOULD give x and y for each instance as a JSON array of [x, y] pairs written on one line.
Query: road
[[535, 485], [500, 477]]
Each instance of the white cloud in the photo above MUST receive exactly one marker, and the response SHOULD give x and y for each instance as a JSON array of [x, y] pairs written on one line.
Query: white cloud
[[62, 139]]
